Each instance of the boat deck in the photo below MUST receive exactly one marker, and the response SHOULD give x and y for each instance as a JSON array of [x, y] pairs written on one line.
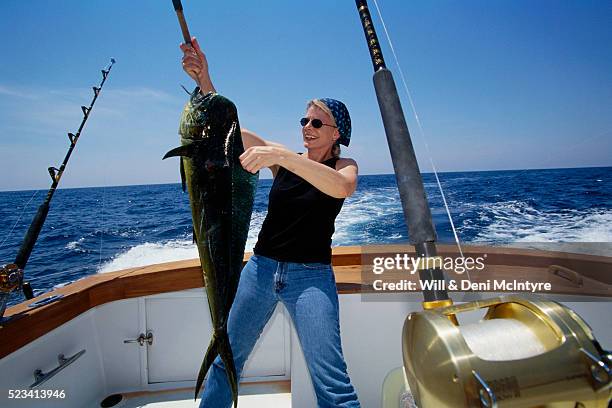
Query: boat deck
[[253, 395]]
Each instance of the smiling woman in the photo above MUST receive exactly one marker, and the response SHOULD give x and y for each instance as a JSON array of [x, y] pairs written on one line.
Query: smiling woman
[[292, 258], [321, 137]]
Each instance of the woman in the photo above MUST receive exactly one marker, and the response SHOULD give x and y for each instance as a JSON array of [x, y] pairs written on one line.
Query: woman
[[292, 257]]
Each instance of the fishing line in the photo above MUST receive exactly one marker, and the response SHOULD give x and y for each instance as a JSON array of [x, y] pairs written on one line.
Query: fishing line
[[101, 226], [18, 219], [421, 131]]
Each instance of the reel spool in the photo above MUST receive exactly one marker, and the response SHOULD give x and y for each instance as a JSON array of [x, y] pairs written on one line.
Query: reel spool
[[11, 278], [524, 353]]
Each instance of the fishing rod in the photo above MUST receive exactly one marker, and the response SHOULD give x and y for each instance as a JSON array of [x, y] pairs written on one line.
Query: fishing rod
[[178, 7], [543, 351], [417, 213], [11, 275]]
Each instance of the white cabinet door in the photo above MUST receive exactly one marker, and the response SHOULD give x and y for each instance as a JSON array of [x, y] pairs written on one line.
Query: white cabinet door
[[181, 327]]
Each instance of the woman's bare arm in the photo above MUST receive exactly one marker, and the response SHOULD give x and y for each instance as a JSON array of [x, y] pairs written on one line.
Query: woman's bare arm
[[251, 139], [340, 182]]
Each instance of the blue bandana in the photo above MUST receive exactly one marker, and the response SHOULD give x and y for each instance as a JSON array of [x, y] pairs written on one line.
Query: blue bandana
[[342, 118]]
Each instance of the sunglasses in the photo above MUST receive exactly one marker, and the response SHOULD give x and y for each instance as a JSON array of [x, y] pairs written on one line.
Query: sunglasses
[[316, 123]]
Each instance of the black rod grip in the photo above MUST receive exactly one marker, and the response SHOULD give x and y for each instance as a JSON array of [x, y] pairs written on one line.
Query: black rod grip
[[428, 250], [417, 214], [31, 236], [409, 182]]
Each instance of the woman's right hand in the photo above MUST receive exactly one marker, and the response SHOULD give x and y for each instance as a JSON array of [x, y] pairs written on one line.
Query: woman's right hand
[[195, 64]]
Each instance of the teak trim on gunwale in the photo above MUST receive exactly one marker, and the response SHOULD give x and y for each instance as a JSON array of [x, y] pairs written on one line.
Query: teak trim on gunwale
[[595, 279]]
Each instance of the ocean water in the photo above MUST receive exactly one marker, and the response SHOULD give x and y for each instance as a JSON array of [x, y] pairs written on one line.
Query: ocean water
[[97, 230]]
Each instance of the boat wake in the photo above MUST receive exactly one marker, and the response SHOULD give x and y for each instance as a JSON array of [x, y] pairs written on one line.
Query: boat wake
[[376, 218], [517, 221], [151, 253]]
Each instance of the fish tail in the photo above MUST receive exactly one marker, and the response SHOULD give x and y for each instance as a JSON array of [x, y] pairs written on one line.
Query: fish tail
[[209, 357], [219, 345], [227, 357]]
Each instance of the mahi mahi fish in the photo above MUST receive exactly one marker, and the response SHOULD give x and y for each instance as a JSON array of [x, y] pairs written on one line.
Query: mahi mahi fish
[[221, 194]]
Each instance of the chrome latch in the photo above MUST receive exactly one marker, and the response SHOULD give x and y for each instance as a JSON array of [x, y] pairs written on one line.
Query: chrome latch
[[141, 339]]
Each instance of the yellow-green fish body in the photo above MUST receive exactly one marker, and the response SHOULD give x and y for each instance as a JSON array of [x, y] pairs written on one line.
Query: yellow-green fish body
[[221, 194]]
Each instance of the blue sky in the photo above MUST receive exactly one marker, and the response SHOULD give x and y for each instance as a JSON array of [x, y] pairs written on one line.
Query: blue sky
[[497, 85]]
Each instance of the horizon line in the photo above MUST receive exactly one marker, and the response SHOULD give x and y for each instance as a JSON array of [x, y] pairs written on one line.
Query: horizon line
[[360, 175]]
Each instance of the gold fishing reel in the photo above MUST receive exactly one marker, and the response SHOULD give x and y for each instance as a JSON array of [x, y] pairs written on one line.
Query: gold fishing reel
[[10, 278], [524, 353]]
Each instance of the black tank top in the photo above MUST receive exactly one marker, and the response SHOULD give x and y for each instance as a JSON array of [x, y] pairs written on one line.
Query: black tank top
[[300, 220]]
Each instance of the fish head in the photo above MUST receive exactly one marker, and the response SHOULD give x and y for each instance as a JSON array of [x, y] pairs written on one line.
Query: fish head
[[210, 122]]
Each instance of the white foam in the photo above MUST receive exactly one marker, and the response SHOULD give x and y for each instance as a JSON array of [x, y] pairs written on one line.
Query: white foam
[[362, 209], [152, 253], [359, 210], [76, 245], [256, 220], [507, 222], [61, 285], [516, 221]]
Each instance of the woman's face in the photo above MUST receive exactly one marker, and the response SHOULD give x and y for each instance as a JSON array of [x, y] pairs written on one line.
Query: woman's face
[[322, 138]]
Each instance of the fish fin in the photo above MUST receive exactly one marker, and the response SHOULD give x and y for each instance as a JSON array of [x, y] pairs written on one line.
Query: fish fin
[[183, 185], [225, 351], [185, 89], [209, 357], [185, 150], [195, 239]]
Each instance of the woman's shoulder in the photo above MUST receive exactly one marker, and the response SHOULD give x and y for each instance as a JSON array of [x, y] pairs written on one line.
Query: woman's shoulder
[[343, 162]]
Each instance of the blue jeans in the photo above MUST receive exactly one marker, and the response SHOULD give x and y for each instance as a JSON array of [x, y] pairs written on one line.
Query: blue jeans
[[309, 293]]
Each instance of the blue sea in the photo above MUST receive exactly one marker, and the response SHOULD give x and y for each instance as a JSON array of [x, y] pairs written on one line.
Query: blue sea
[[97, 230]]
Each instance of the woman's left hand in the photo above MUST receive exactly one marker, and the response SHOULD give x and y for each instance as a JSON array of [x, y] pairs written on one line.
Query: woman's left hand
[[257, 157]]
